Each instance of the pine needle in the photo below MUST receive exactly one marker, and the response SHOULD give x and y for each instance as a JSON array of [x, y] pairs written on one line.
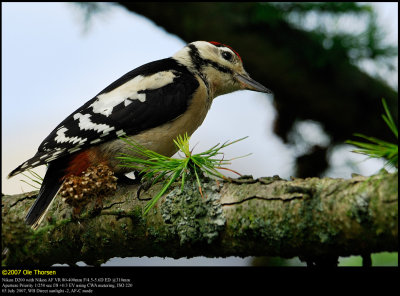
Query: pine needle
[[377, 148], [35, 178], [155, 166]]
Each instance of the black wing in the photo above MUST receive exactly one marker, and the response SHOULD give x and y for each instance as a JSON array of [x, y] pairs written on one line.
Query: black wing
[[143, 98]]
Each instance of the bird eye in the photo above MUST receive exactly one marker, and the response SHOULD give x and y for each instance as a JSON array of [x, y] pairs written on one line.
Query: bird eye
[[227, 55]]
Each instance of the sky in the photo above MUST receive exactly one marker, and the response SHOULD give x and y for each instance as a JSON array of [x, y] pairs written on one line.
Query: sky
[[51, 65]]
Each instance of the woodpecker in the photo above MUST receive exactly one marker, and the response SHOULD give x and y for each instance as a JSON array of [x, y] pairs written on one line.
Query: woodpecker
[[151, 105]]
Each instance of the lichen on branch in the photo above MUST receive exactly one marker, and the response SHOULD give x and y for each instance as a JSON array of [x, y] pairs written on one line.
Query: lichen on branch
[[310, 217]]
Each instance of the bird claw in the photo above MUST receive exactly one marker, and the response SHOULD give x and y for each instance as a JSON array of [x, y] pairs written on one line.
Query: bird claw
[[144, 186]]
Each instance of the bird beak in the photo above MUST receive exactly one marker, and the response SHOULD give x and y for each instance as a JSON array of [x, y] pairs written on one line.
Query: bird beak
[[251, 84]]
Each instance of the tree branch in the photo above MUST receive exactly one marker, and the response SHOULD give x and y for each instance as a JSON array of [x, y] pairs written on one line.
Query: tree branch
[[311, 218]]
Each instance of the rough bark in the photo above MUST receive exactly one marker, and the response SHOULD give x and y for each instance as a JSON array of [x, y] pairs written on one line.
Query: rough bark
[[311, 218]]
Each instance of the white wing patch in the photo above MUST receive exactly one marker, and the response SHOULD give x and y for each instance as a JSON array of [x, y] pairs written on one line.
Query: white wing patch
[[62, 138], [120, 133], [54, 154], [86, 124], [129, 91], [96, 141]]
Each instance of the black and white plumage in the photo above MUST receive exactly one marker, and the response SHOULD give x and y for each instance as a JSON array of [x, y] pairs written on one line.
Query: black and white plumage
[[152, 104]]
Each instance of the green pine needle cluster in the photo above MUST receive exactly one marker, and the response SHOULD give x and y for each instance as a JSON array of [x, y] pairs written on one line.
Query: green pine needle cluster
[[156, 167], [34, 177], [377, 148]]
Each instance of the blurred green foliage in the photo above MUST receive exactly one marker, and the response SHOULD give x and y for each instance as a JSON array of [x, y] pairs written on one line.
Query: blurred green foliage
[[378, 259], [353, 43]]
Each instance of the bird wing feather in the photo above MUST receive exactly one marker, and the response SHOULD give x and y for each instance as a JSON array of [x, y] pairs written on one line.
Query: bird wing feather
[[143, 98]]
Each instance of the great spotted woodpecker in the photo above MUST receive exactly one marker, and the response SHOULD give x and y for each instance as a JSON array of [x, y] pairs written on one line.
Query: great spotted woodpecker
[[151, 104]]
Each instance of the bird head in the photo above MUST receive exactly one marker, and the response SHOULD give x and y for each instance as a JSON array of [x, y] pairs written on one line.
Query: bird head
[[220, 65]]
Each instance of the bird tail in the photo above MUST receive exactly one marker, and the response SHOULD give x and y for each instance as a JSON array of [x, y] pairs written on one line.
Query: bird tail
[[51, 184]]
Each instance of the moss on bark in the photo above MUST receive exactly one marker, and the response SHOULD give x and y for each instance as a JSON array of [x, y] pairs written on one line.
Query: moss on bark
[[310, 218]]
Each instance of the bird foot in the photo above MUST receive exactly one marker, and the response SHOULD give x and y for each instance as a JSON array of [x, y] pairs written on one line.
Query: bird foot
[[144, 186]]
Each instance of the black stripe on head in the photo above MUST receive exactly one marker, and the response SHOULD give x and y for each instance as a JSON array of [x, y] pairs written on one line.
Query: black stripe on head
[[199, 62]]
